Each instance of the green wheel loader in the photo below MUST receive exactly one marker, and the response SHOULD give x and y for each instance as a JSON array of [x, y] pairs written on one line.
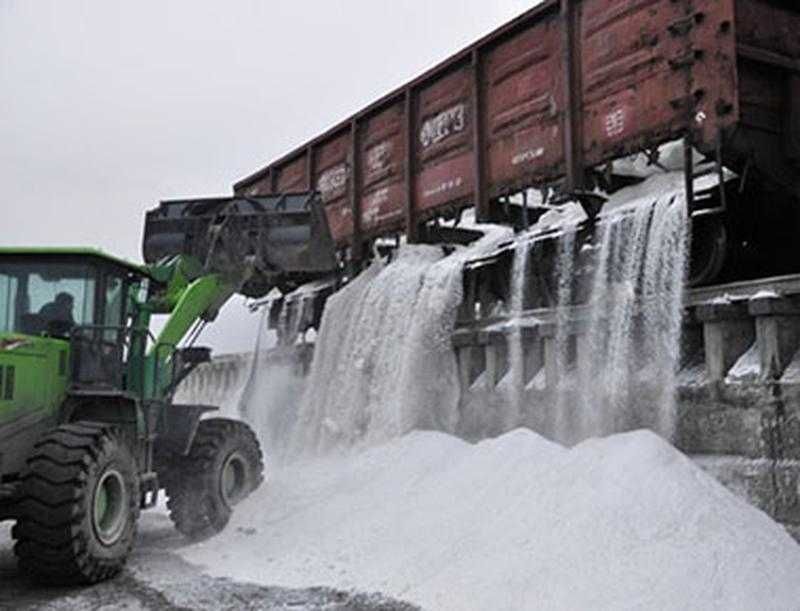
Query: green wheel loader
[[89, 433]]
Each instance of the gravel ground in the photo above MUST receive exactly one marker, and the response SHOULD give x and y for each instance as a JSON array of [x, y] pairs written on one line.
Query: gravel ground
[[157, 579]]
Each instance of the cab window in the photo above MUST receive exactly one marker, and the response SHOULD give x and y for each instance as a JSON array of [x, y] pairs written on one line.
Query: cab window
[[8, 301], [42, 297]]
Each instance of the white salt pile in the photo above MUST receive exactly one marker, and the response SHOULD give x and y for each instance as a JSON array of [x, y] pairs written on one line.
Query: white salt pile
[[516, 523]]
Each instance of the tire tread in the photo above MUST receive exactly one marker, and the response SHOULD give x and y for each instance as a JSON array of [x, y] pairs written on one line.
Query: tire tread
[[50, 542], [194, 511]]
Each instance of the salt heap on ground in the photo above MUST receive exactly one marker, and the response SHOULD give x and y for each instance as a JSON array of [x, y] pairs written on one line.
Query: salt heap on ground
[[517, 522]]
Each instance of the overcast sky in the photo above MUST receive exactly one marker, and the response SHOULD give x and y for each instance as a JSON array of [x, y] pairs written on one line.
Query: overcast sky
[[107, 107]]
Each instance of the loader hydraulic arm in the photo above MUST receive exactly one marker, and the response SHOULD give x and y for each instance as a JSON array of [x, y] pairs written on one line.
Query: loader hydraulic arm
[[201, 300], [186, 295]]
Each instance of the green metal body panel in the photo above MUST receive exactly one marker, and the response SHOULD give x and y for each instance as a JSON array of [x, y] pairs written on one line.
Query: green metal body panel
[[40, 373], [198, 300], [34, 376]]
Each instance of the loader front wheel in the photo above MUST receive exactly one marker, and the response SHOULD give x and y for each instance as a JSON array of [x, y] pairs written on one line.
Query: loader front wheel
[[79, 506], [223, 467]]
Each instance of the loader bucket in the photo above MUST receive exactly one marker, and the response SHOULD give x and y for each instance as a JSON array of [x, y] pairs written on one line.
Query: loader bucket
[[285, 238]]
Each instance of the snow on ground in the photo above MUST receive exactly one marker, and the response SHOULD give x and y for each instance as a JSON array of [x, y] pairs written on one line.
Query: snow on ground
[[517, 522]]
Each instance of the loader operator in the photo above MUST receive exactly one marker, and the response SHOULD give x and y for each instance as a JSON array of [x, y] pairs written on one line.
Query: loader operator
[[58, 313]]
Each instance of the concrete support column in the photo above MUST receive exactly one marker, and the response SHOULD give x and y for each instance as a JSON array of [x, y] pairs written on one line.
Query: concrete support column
[[486, 299], [464, 358], [466, 311], [532, 356], [494, 344], [493, 365], [577, 331], [777, 332], [728, 331], [472, 352], [551, 373], [692, 341]]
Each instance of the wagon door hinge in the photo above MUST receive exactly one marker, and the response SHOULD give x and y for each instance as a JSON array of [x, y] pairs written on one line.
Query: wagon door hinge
[[684, 25], [686, 59]]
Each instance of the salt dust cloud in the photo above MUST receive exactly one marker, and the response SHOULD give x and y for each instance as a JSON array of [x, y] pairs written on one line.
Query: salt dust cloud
[[269, 397], [384, 363], [620, 373]]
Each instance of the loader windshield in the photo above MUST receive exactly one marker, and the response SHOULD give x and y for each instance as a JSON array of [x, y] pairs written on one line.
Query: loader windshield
[[46, 297]]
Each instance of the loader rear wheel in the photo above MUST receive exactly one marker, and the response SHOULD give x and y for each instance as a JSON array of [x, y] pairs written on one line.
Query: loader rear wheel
[[79, 506], [223, 467]]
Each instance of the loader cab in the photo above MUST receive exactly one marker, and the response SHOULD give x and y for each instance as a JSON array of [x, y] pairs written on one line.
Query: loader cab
[[79, 296]]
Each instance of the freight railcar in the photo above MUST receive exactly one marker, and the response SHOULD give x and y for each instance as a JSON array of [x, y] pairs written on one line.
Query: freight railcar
[[551, 99]]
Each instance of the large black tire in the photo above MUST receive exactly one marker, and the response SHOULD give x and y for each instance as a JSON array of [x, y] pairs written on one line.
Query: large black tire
[[223, 467], [79, 505]]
